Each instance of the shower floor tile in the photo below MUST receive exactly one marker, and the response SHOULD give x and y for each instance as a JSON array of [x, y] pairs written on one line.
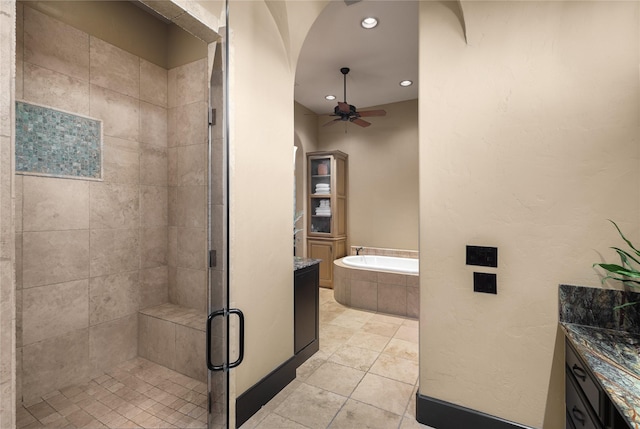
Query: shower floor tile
[[135, 394]]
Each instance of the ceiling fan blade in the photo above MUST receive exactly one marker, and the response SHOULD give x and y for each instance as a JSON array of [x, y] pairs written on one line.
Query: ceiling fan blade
[[335, 121], [360, 122], [372, 113], [343, 107]]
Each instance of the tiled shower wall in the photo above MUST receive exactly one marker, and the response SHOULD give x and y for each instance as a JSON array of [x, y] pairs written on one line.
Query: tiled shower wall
[[91, 254], [7, 258]]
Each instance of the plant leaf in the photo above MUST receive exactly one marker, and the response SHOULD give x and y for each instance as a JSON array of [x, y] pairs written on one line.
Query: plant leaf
[[625, 238], [624, 255], [627, 304], [617, 269]]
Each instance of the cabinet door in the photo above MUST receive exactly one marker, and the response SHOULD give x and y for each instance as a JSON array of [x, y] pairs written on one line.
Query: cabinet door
[[324, 251], [305, 308]]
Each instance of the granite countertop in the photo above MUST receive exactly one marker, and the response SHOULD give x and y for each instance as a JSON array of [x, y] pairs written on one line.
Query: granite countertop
[[300, 263], [614, 358], [608, 340]]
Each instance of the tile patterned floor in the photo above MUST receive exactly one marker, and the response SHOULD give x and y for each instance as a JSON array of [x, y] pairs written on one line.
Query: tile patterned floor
[[364, 376], [135, 394]]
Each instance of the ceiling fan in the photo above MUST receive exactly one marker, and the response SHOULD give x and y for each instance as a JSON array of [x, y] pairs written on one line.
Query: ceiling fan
[[347, 112]]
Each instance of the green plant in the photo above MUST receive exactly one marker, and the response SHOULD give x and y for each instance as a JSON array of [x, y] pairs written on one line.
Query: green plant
[[627, 272]]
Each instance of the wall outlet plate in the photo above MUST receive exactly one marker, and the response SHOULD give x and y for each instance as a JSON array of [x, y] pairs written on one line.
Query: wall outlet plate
[[482, 256], [485, 282]]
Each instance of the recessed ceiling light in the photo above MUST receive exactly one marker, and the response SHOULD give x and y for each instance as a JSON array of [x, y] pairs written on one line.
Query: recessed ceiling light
[[369, 22], [330, 97], [406, 83]]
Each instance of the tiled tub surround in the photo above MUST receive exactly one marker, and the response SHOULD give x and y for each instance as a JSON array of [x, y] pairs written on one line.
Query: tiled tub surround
[[90, 255], [381, 251], [608, 341], [380, 291]]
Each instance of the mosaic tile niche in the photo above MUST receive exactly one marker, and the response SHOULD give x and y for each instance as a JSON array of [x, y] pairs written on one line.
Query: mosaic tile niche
[[50, 142]]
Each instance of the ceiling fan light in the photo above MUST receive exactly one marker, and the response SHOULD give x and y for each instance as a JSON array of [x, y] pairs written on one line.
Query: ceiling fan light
[[329, 97], [406, 83], [369, 22]]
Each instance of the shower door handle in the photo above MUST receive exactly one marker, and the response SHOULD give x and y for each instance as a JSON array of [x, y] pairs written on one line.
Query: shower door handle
[[240, 339], [238, 361], [210, 364]]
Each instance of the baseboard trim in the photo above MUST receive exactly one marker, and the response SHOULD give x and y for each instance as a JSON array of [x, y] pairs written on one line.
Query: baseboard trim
[[264, 390], [307, 352], [445, 415]]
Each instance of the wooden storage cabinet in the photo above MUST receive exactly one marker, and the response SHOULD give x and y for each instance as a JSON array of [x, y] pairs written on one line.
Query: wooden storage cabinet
[[328, 251], [327, 185]]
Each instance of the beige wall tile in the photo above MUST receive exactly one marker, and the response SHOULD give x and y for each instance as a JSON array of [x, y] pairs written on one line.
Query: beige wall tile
[[153, 165], [172, 250], [53, 310], [192, 165], [191, 207], [114, 68], [153, 83], [157, 340], [392, 299], [118, 112], [51, 204], [190, 348], [173, 205], [54, 363], [54, 257], [18, 261], [217, 190], [188, 124], [413, 302], [365, 275], [153, 246], [18, 201], [56, 46], [114, 251], [187, 83], [413, 281], [192, 248], [112, 343], [114, 296], [172, 166], [114, 205], [154, 286], [153, 124], [121, 160], [364, 294], [392, 278], [57, 90], [154, 201], [191, 289]]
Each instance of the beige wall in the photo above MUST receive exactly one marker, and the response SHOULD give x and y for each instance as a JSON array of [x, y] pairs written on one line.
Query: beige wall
[[7, 247], [306, 138], [383, 175], [529, 142], [262, 136]]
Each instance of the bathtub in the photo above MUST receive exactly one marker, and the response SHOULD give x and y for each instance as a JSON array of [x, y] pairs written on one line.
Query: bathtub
[[385, 284], [384, 263]]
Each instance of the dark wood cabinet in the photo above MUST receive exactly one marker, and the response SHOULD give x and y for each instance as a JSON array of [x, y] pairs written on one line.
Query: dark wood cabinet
[[588, 405], [306, 302]]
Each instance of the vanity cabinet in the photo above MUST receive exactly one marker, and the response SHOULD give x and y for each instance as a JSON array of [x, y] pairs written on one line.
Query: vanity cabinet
[[306, 304], [587, 404], [327, 174]]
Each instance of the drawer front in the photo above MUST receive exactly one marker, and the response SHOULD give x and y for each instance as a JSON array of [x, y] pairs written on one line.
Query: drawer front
[[584, 378], [578, 412]]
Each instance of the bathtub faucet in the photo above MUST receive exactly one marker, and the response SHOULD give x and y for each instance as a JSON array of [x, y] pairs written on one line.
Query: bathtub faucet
[[358, 249]]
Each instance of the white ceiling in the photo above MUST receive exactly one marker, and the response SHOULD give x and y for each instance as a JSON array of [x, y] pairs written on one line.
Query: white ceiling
[[378, 58]]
